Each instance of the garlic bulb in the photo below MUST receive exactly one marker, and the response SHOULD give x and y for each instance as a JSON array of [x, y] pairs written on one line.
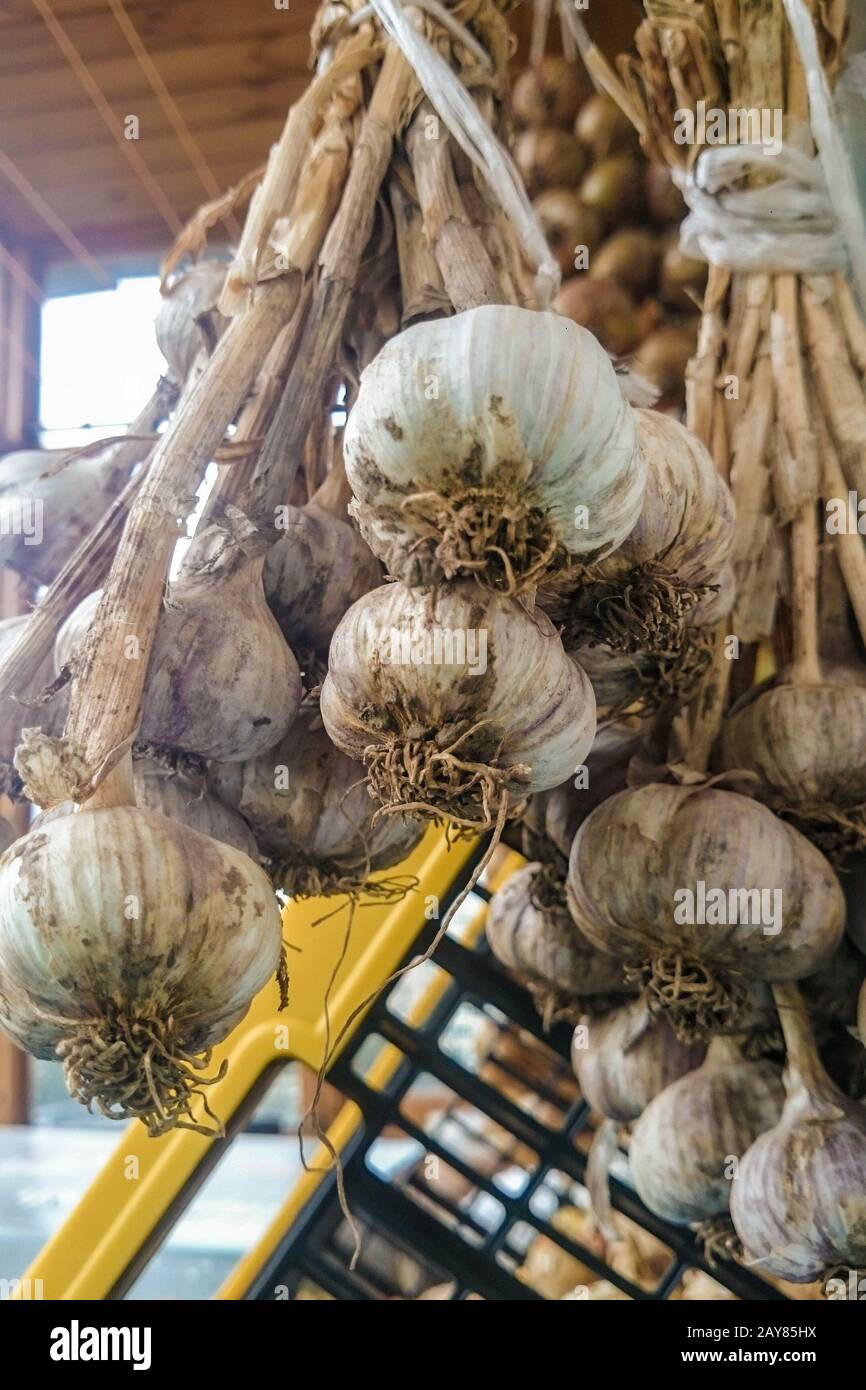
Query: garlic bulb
[[494, 444], [456, 702], [216, 634], [182, 797], [604, 772], [129, 946], [189, 324], [799, 1205], [25, 710], [807, 744], [316, 570], [44, 516], [312, 815], [686, 1145], [8, 835], [623, 1059], [640, 597], [702, 891], [541, 945]]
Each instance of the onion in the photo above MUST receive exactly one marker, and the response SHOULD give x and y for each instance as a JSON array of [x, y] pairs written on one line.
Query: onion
[[685, 1146], [535, 938], [461, 723], [549, 93], [129, 946], [492, 444], [603, 128], [311, 814], [630, 257], [625, 1058], [568, 225], [664, 355], [605, 308], [634, 888], [548, 158], [44, 516], [663, 199], [682, 278], [799, 1205], [614, 188]]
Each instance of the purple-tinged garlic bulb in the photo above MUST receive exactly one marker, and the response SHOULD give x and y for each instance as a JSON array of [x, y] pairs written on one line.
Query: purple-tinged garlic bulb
[[807, 745], [494, 445], [799, 1204], [129, 946], [534, 937], [311, 814], [686, 1146], [221, 682], [701, 892], [317, 569], [459, 702], [625, 1058]]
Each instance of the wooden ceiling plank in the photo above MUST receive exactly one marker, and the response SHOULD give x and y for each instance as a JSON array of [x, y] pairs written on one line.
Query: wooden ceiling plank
[[210, 66], [30, 134], [28, 45]]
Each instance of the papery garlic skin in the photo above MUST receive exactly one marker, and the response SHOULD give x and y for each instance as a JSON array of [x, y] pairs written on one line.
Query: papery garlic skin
[[638, 856], [179, 797], [623, 1059], [685, 1146], [216, 634], [18, 714], [118, 927], [189, 325], [311, 812], [314, 573], [545, 949], [500, 402], [498, 681], [641, 597], [807, 745], [799, 1204], [43, 518]]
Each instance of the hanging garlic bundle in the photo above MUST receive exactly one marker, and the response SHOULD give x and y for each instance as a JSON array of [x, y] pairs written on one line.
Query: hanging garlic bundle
[[537, 940], [799, 1205], [458, 703], [702, 891], [318, 568], [189, 324], [806, 742], [25, 709], [129, 946], [625, 1058], [48, 503], [312, 816], [496, 445], [643, 597], [685, 1148], [215, 634]]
